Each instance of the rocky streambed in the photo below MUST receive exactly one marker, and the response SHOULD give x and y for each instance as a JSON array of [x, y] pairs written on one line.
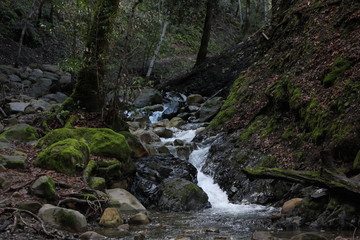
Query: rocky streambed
[[165, 162]]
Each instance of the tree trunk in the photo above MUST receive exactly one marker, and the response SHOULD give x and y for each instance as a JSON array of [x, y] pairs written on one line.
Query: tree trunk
[[241, 14], [152, 62], [267, 12], [247, 17], [201, 56], [23, 31], [88, 93]]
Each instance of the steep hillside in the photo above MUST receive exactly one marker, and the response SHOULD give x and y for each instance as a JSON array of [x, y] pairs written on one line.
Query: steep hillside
[[303, 96], [297, 108]]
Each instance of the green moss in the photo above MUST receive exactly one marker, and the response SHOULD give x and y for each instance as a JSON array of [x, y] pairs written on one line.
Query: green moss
[[339, 66], [269, 162], [252, 128], [65, 156], [270, 127], [279, 90], [49, 190], [70, 121], [356, 164], [228, 109], [287, 134], [97, 183], [90, 168], [56, 136], [295, 98], [66, 219], [20, 132]]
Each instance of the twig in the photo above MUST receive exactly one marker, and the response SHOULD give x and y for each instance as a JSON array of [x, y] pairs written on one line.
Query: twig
[[13, 228], [265, 36]]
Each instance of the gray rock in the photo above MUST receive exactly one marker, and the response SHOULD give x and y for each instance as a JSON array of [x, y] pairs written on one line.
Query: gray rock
[[176, 122], [14, 78], [13, 162], [52, 76], [62, 218], [15, 107], [146, 136], [125, 201], [262, 235], [29, 110], [51, 68], [65, 79], [193, 108], [59, 97], [21, 132], [147, 97], [44, 187], [210, 108], [36, 73]]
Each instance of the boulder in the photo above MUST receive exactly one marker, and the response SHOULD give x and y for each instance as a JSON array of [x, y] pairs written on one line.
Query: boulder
[[137, 148], [66, 156], [194, 99], [171, 110], [290, 205], [308, 236], [139, 219], [148, 96], [182, 195], [20, 132], [210, 108], [146, 136], [124, 201], [13, 162], [51, 68], [163, 132], [65, 79], [176, 122], [153, 170], [62, 218], [111, 217], [44, 187]]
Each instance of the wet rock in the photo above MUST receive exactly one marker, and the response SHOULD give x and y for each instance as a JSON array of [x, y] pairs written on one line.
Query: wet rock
[[262, 235], [20, 132], [44, 187], [308, 236], [163, 149], [13, 162], [176, 122], [194, 99], [162, 123], [32, 206], [183, 152], [193, 108], [179, 142], [171, 110], [139, 219], [210, 108], [163, 132], [148, 96], [290, 205], [91, 236], [111, 218], [62, 218], [133, 126], [124, 200], [153, 170], [182, 195]]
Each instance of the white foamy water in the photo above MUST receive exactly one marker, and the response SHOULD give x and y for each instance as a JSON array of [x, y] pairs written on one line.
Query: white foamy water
[[217, 197]]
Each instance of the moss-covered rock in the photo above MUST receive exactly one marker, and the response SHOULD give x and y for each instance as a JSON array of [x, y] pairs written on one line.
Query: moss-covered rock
[[97, 183], [20, 132], [32, 206], [182, 195], [66, 156], [44, 187], [137, 148], [102, 141], [13, 162]]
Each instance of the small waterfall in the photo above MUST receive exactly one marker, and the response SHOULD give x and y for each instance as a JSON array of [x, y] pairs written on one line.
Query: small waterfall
[[217, 197]]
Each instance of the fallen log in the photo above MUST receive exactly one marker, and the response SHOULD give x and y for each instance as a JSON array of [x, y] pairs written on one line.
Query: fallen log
[[325, 178]]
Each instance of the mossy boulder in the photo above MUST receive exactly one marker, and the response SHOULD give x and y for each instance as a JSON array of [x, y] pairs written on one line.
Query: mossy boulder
[[44, 187], [179, 194], [13, 162], [66, 156], [97, 183], [102, 141], [137, 148], [20, 132]]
